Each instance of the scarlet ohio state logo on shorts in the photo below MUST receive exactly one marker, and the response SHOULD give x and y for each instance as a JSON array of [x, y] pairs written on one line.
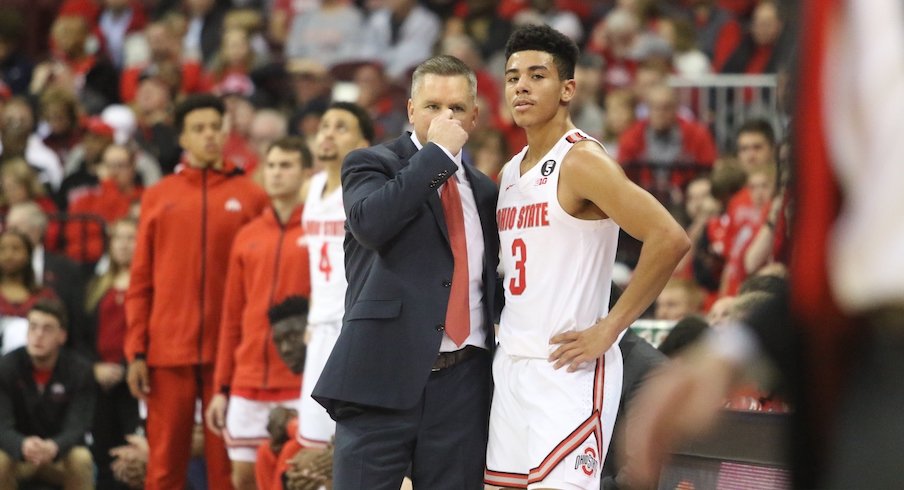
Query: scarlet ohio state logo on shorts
[[587, 462]]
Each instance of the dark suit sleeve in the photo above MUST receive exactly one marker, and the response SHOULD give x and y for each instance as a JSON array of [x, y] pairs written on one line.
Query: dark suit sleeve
[[380, 203], [10, 438], [78, 418]]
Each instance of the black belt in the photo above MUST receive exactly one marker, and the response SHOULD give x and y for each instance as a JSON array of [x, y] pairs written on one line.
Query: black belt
[[446, 360]]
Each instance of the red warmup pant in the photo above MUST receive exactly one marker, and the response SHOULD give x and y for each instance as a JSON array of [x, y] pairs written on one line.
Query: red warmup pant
[[171, 415]]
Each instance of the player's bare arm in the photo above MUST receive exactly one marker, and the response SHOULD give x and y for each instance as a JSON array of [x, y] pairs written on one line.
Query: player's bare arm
[[593, 186]]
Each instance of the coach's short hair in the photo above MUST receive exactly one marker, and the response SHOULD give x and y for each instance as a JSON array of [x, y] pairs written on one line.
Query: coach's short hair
[[564, 51], [195, 102], [295, 144], [447, 66]]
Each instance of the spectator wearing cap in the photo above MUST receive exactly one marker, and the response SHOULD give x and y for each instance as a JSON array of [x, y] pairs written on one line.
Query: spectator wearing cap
[[400, 35], [82, 164], [17, 138], [165, 63], [108, 202], [330, 34], [47, 400]]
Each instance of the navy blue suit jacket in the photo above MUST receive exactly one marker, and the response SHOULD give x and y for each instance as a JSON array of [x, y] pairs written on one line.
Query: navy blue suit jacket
[[399, 264]]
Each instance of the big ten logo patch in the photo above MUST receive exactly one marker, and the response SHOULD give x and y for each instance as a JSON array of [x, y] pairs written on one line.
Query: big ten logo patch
[[587, 462]]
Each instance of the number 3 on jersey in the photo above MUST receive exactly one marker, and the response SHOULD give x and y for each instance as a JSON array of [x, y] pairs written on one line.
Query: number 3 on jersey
[[518, 283], [325, 266]]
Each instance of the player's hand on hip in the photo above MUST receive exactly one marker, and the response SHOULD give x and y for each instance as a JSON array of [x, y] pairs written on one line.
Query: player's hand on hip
[[215, 415], [577, 348], [447, 132], [138, 378]]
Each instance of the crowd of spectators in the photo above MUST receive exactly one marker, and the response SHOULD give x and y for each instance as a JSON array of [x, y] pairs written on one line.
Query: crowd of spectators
[[88, 88]]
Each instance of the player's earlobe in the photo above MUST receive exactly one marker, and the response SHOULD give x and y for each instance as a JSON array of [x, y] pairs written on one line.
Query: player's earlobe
[[568, 90]]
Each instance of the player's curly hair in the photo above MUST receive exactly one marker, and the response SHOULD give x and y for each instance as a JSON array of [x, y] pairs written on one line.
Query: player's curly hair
[[287, 308], [564, 51]]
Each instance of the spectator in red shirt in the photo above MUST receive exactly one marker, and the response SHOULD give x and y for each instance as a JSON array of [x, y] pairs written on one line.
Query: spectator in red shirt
[[383, 100], [665, 139], [745, 221], [107, 203], [759, 51], [718, 32], [90, 75], [116, 413], [165, 50]]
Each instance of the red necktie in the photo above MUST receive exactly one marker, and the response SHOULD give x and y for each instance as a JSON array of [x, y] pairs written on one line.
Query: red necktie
[[458, 313]]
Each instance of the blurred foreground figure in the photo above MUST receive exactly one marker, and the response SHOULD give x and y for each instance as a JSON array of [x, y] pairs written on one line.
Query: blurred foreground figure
[[846, 432]]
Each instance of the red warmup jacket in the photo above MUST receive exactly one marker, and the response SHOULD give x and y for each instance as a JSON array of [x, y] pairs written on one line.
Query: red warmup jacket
[[698, 147], [268, 263], [85, 239], [174, 301]]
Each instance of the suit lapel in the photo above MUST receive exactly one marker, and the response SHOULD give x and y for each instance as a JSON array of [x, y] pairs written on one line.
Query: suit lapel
[[405, 149]]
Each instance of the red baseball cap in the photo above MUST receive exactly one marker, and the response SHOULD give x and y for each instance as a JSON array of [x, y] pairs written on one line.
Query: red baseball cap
[[96, 125]]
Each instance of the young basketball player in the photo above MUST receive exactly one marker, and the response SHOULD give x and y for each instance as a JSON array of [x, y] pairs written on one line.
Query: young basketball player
[[562, 200]]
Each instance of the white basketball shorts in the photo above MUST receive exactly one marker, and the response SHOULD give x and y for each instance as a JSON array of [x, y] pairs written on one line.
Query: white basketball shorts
[[246, 426], [550, 428]]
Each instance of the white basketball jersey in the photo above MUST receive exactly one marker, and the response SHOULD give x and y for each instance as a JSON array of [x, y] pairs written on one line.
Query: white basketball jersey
[[323, 220], [557, 268]]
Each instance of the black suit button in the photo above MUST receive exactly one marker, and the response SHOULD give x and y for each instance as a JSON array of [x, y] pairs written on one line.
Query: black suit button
[[444, 173], [447, 284], [440, 327]]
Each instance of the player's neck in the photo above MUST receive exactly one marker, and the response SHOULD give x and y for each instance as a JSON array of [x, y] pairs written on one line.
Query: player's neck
[[333, 177], [542, 137]]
